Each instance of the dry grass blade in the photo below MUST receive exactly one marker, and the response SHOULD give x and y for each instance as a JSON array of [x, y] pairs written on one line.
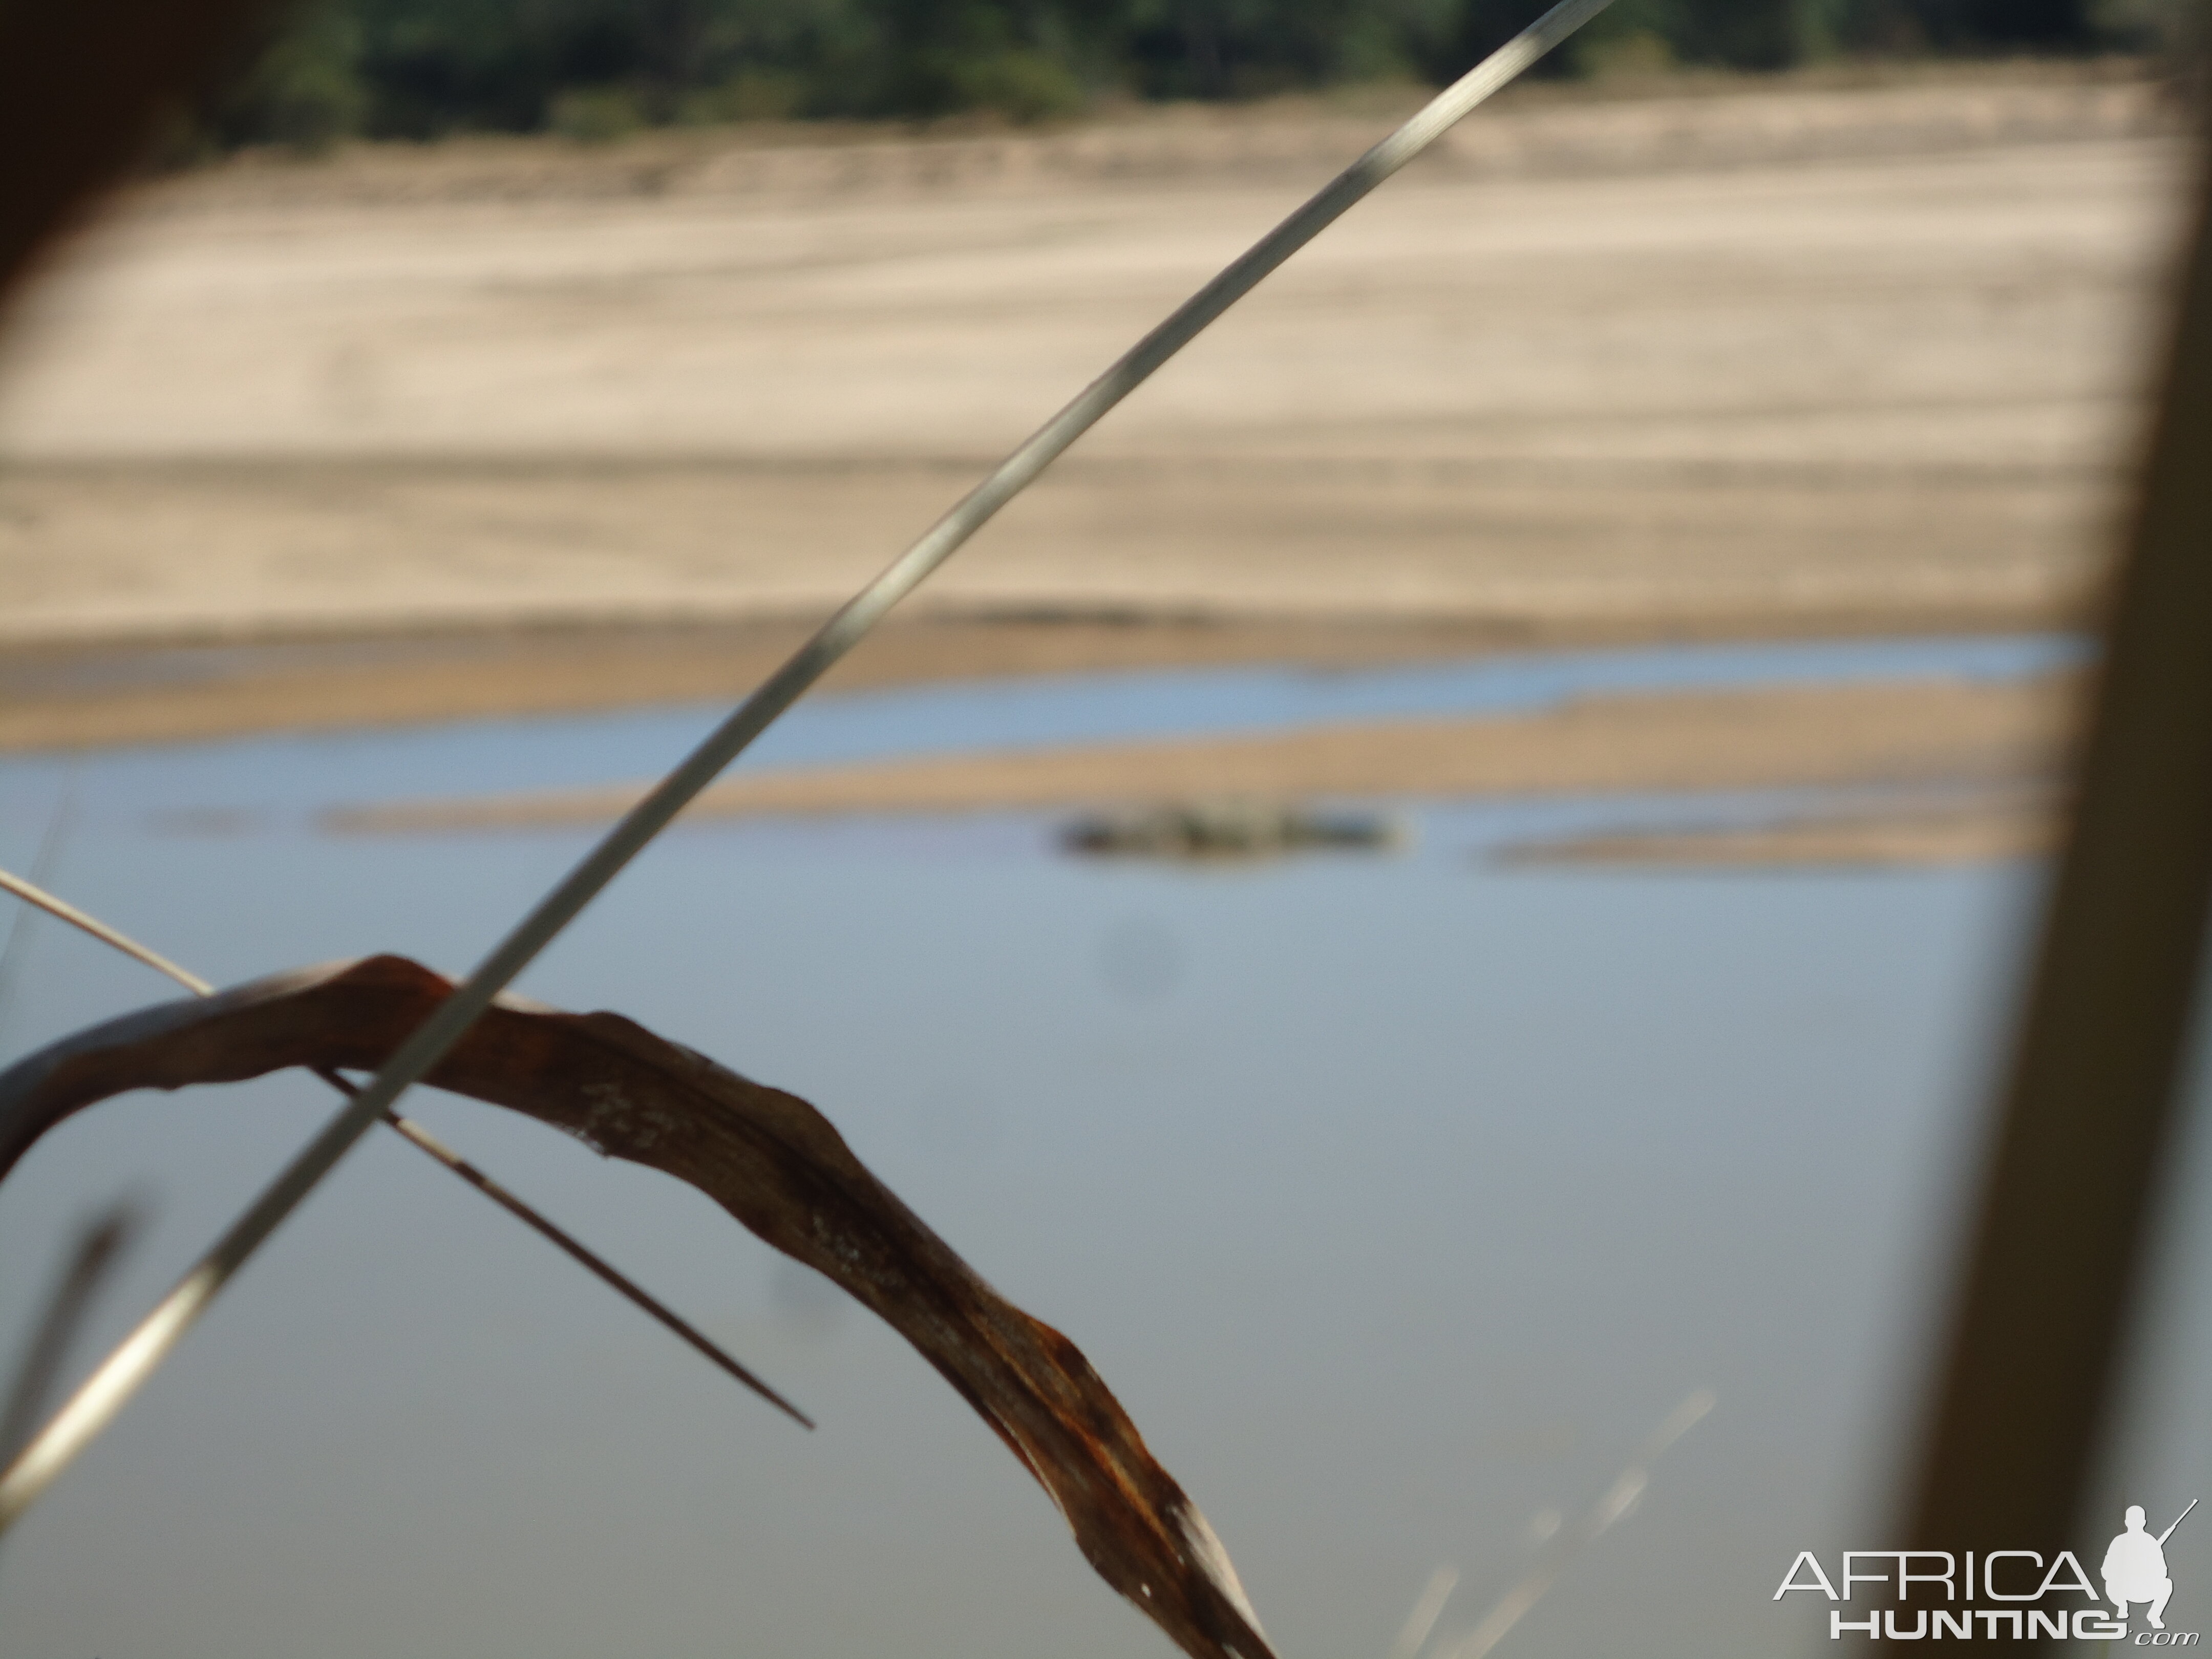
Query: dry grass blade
[[768, 1157]]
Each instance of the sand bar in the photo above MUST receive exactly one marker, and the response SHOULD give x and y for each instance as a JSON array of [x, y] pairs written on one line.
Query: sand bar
[[59, 698], [1930, 731], [2010, 825]]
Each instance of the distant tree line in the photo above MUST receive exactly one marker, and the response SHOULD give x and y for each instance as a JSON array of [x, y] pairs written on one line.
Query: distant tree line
[[595, 68]]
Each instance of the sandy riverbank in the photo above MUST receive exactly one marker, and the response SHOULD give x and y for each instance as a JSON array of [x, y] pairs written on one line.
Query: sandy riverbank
[[510, 428]]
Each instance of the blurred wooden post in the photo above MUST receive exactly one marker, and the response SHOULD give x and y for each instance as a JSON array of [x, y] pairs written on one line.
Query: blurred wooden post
[[2020, 1407]]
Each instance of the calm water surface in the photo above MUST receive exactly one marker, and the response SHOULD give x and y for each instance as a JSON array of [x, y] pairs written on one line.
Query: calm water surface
[[1399, 1199]]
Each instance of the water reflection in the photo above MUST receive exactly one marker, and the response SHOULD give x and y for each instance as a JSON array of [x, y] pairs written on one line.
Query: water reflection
[[1139, 959]]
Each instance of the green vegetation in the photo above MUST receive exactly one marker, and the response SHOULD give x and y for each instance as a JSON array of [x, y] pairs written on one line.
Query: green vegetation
[[594, 69]]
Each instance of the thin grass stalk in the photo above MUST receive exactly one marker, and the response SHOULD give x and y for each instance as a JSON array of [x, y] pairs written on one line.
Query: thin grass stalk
[[17, 943], [423, 1141], [1612, 1505]]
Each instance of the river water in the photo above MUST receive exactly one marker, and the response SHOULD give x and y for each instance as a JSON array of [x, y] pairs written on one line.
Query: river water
[[1399, 1197]]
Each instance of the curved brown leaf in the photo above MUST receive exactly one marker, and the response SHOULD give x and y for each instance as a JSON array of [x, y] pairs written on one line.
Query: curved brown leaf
[[768, 1157]]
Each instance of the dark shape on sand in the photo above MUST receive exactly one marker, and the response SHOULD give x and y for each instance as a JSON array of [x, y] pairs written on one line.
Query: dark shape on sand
[[1224, 829], [768, 1157]]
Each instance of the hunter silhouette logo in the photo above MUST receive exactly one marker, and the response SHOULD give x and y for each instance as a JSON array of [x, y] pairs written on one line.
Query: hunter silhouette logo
[[2135, 1566]]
